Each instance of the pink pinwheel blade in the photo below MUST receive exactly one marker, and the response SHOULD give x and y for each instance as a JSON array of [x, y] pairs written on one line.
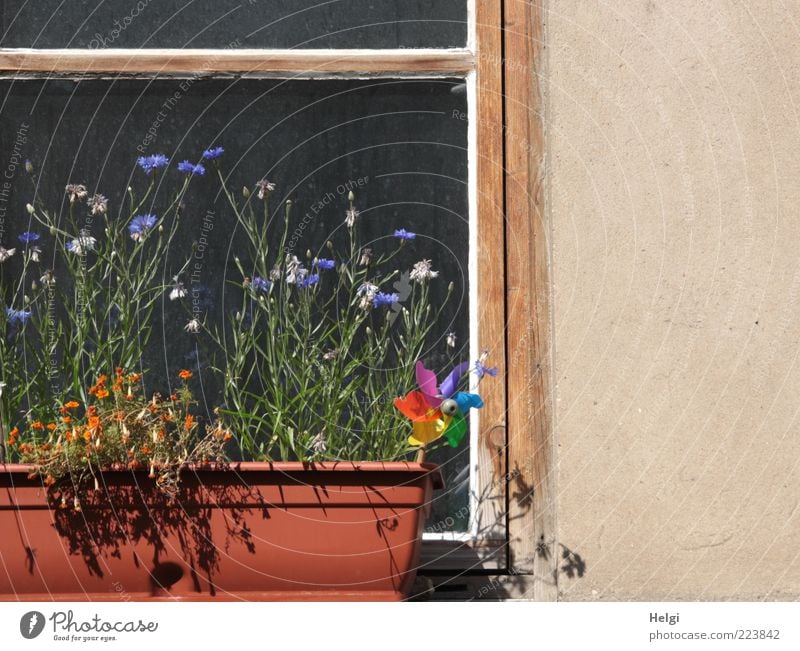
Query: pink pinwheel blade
[[427, 384], [450, 383]]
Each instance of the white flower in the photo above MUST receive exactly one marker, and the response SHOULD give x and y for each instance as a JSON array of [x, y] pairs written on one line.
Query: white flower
[[366, 257], [178, 290], [451, 339], [81, 244], [350, 217], [422, 271], [48, 279], [367, 292], [275, 274], [295, 272], [331, 354], [318, 443], [5, 254], [193, 326], [35, 251]]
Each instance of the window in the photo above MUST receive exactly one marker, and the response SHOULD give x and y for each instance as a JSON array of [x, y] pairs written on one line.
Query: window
[[429, 108]]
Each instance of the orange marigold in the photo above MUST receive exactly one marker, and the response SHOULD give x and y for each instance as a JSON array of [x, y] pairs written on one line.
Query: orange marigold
[[189, 422], [51, 426], [185, 375], [102, 393], [37, 424], [72, 404]]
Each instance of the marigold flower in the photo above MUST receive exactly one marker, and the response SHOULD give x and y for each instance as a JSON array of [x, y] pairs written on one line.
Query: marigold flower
[[185, 375], [102, 393], [72, 404], [189, 422], [51, 426], [66, 419], [228, 436], [37, 424]]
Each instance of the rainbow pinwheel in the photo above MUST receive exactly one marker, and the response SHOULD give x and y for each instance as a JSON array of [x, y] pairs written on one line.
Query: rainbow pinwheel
[[440, 410]]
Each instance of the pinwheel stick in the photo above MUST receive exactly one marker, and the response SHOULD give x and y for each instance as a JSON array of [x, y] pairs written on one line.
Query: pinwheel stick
[[420, 454]]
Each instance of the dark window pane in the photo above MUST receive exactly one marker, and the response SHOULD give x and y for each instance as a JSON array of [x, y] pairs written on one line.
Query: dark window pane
[[401, 144], [234, 23]]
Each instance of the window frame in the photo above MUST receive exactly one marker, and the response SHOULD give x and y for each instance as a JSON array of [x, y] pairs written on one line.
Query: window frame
[[512, 541]]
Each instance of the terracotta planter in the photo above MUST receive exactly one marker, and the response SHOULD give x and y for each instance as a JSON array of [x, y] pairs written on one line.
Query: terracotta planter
[[252, 531]]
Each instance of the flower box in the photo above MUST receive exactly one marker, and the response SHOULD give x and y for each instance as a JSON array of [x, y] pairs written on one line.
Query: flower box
[[248, 531]]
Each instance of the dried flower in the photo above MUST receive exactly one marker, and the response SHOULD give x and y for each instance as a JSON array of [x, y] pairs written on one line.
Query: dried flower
[[5, 254], [451, 339], [422, 272], [350, 216], [76, 192], [99, 204], [193, 326], [367, 292], [265, 188]]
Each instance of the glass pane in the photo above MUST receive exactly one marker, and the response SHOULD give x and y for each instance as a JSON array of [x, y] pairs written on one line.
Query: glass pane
[[400, 145], [234, 24]]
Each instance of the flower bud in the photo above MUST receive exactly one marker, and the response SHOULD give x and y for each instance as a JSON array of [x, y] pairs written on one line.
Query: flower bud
[[369, 330], [160, 229], [450, 287], [246, 192], [52, 230], [351, 197], [30, 209], [34, 286], [28, 167], [329, 244]]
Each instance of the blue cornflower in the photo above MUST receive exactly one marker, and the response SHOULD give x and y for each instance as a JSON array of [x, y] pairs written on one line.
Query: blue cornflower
[[17, 317], [28, 237], [403, 234], [188, 168], [214, 152], [324, 263], [154, 162], [260, 284], [481, 369], [140, 225], [382, 298], [313, 279]]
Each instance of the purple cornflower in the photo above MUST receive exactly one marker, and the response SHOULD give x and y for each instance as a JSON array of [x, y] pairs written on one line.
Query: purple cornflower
[[140, 225], [28, 237], [481, 369], [17, 317], [260, 284], [313, 279], [187, 168], [324, 263], [154, 162], [382, 298], [214, 152], [403, 234]]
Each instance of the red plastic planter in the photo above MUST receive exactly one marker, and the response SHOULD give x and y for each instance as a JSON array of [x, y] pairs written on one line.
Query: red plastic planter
[[251, 531]]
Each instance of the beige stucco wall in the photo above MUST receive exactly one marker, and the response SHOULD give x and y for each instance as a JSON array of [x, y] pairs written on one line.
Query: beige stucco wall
[[674, 161]]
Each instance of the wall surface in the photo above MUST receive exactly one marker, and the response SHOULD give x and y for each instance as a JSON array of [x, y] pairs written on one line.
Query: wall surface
[[674, 154]]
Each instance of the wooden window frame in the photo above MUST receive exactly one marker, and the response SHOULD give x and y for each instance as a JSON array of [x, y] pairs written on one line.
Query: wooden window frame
[[515, 556]]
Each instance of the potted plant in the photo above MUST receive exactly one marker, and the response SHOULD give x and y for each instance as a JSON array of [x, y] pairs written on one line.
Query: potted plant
[[307, 482]]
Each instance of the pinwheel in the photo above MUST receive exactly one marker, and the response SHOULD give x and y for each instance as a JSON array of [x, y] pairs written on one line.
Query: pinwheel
[[437, 411]]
